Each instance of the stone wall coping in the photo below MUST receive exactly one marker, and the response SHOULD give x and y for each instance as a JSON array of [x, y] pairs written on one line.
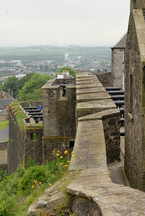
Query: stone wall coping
[[84, 79], [86, 82], [90, 90], [84, 74], [107, 103], [87, 78], [111, 199], [93, 96], [100, 115], [85, 86], [90, 149]]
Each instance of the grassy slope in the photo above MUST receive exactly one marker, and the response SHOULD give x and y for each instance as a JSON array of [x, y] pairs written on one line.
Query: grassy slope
[[23, 187]]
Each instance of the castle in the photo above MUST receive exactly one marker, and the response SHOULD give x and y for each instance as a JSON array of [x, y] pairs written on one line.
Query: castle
[[85, 117]]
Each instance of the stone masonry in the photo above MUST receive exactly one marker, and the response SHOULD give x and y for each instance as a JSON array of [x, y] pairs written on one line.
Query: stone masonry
[[134, 98], [25, 139], [59, 116], [88, 185]]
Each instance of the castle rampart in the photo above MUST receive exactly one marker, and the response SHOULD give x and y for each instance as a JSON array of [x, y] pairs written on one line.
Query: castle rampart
[[91, 189]]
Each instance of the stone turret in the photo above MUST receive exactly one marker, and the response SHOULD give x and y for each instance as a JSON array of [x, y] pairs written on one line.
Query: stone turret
[[59, 114], [137, 4]]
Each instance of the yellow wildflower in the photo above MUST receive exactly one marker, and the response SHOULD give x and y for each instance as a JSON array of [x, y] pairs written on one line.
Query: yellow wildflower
[[65, 152]]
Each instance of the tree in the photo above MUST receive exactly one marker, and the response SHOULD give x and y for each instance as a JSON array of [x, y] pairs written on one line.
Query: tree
[[31, 89], [11, 86], [71, 71]]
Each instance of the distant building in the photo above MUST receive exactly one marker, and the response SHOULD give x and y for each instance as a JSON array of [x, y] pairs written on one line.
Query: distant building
[[118, 52]]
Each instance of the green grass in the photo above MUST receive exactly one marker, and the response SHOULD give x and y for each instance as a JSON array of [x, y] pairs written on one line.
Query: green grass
[[4, 124], [23, 187]]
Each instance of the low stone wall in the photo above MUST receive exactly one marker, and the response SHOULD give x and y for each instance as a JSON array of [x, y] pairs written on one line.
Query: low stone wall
[[98, 142], [94, 194], [105, 78], [88, 187]]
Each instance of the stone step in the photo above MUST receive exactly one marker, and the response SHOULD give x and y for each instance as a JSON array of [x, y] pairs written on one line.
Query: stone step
[[113, 89], [118, 97], [116, 92]]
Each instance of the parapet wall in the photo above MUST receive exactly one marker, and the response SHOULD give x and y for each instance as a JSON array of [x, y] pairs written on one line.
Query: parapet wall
[[98, 143], [105, 78]]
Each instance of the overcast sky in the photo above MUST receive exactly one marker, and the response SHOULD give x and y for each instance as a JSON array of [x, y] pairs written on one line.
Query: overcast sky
[[79, 22]]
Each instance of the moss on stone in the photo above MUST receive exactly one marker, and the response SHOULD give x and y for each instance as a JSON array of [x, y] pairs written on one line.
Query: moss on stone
[[17, 111], [20, 115]]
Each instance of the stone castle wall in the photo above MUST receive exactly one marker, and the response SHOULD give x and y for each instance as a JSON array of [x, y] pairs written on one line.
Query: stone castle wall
[[88, 184], [98, 118], [134, 100], [59, 117], [25, 143]]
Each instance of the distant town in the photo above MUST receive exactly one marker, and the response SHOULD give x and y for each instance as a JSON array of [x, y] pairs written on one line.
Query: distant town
[[47, 59]]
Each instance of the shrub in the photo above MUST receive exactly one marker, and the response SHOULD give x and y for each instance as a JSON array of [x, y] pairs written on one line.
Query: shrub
[[6, 205], [21, 188], [33, 177]]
